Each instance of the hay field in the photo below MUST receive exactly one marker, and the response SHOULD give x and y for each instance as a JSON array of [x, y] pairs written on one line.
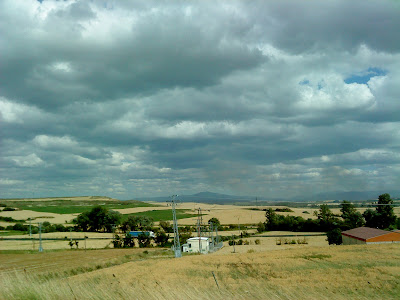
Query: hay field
[[39, 216], [334, 272], [91, 243]]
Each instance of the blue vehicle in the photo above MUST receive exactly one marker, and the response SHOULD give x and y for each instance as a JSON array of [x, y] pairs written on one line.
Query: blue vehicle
[[137, 233]]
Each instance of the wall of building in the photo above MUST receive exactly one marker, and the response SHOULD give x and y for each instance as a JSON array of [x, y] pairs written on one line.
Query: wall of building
[[193, 246], [389, 237], [351, 241]]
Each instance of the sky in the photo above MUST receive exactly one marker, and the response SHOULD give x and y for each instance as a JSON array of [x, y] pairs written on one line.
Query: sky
[[151, 98]]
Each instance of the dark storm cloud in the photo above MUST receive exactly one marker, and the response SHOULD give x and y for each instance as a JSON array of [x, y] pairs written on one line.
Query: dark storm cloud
[[143, 98], [65, 62], [298, 26]]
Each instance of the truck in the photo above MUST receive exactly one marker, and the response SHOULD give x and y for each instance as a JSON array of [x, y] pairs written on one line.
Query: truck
[[137, 233]]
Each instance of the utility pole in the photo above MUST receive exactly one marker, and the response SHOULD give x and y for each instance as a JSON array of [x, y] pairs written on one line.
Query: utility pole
[[177, 244], [212, 235], [199, 223], [238, 224], [30, 227], [40, 238]]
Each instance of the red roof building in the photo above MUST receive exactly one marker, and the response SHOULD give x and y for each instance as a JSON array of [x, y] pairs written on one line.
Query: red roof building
[[366, 235]]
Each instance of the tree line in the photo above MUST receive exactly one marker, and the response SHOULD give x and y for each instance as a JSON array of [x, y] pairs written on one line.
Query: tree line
[[381, 217]]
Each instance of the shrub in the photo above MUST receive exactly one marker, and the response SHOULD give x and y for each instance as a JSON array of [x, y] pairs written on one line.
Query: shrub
[[284, 209], [144, 240], [334, 236], [19, 227], [9, 209], [302, 241], [257, 242], [260, 227]]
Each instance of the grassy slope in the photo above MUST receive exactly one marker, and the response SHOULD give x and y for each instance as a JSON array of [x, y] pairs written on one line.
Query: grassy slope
[[72, 207], [339, 272], [163, 215]]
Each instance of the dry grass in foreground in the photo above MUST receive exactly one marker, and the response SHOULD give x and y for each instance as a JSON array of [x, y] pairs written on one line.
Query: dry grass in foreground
[[339, 272]]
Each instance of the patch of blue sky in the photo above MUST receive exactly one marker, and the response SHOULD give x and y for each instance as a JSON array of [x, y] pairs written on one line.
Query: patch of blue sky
[[365, 76], [304, 82]]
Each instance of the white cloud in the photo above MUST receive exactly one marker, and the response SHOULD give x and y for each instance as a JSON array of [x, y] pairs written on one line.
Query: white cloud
[[31, 160], [46, 141]]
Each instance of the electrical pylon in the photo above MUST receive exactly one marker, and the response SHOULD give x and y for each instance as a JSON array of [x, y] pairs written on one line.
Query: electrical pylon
[[177, 244]]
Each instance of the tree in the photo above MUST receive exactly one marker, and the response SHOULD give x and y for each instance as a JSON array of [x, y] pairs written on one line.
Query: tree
[[334, 236], [260, 227], [371, 218], [161, 238], [351, 217], [130, 224], [166, 226], [128, 241], [383, 216], [144, 240], [347, 208], [326, 218], [117, 241], [215, 223], [271, 221], [185, 233], [385, 211], [97, 219], [134, 223], [145, 223]]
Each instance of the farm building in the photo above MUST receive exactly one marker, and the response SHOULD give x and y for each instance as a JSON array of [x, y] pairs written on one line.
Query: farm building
[[366, 235], [197, 244]]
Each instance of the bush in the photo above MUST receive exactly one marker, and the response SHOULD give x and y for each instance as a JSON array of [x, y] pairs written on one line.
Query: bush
[[9, 209], [260, 227], [257, 242], [144, 240], [20, 227], [285, 209], [334, 237], [8, 219]]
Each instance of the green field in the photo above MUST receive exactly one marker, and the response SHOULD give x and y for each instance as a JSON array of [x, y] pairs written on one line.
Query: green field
[[12, 232], [163, 215], [73, 207]]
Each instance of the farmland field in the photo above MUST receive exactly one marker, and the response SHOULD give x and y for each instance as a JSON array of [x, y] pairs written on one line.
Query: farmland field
[[60, 206], [262, 269], [163, 215], [334, 272]]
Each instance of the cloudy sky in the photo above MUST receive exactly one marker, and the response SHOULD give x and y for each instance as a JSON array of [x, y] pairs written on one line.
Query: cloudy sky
[[139, 98]]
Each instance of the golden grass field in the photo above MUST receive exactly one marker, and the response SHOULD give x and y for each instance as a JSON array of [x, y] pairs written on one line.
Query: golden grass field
[[227, 214], [256, 271], [334, 272]]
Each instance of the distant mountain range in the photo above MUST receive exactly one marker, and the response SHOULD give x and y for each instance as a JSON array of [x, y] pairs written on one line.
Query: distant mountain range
[[217, 198]]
